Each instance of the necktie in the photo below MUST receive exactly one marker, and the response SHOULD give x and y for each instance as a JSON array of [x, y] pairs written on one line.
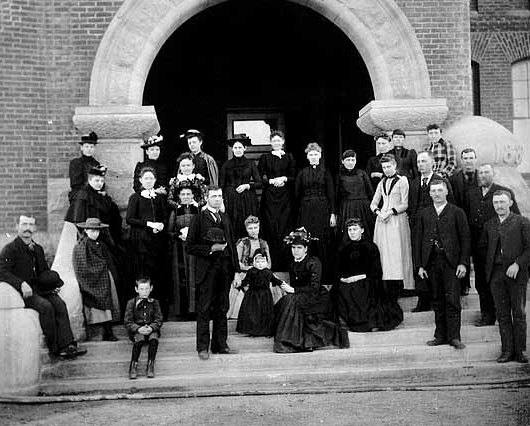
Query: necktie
[[424, 182], [217, 217]]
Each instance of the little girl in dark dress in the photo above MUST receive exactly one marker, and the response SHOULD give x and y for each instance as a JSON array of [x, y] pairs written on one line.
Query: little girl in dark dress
[[256, 315]]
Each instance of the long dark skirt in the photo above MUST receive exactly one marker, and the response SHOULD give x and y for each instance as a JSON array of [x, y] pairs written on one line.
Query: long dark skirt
[[302, 323], [314, 216], [364, 306], [256, 315], [239, 207], [183, 276], [276, 223]]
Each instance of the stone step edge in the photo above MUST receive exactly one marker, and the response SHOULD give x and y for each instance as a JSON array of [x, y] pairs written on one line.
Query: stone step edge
[[511, 373]]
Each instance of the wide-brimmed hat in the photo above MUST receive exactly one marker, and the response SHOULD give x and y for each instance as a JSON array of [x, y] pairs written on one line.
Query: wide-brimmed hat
[[190, 133], [92, 223], [90, 138], [239, 137], [98, 171], [153, 141], [299, 236], [215, 235], [48, 281]]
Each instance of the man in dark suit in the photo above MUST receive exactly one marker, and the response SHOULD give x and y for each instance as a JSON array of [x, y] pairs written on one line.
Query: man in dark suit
[[442, 256], [407, 164], [464, 181], [507, 241], [481, 210], [24, 267], [419, 199], [211, 239]]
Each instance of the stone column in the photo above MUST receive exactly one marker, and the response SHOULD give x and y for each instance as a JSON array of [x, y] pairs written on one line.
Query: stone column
[[20, 343], [410, 115]]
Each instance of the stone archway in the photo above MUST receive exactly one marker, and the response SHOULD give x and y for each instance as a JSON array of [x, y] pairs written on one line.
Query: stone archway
[[378, 29]]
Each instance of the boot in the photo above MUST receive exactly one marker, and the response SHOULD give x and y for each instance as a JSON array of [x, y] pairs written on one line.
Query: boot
[[108, 334], [133, 367], [151, 355], [133, 370]]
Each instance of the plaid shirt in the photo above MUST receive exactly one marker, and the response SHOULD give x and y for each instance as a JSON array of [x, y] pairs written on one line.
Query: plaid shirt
[[444, 157]]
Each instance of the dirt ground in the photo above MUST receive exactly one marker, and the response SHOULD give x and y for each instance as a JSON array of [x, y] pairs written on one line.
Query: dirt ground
[[497, 407]]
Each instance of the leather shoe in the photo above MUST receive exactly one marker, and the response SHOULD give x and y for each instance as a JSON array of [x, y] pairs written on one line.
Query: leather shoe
[[226, 351], [204, 355], [457, 344], [109, 337], [519, 357], [484, 321], [504, 357], [437, 342]]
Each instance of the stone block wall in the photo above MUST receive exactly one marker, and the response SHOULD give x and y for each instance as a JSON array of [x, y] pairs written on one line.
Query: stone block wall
[[47, 50]]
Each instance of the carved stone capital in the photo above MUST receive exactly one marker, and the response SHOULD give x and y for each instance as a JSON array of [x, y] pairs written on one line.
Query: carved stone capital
[[408, 114], [117, 121]]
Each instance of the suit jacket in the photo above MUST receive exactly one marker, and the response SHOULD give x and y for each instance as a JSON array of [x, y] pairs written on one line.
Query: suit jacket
[[459, 188], [453, 234], [418, 200], [197, 245], [18, 263], [481, 207], [513, 235]]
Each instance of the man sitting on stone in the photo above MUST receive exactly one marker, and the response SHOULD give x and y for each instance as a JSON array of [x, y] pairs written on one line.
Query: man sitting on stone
[[23, 265], [442, 150]]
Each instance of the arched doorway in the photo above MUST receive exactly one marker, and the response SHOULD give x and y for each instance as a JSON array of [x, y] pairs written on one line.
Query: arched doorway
[[378, 29], [245, 58]]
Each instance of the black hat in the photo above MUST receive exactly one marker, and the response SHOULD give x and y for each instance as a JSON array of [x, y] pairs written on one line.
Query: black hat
[[153, 141], [191, 133], [92, 223], [215, 235], [98, 171], [239, 137], [48, 281], [90, 138]]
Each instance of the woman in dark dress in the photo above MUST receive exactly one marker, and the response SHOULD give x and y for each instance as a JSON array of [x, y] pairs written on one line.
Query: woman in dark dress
[[354, 194], [93, 201], [79, 167], [314, 190], [239, 178], [256, 315], [182, 264], [278, 171], [360, 298], [147, 217], [152, 147], [304, 316]]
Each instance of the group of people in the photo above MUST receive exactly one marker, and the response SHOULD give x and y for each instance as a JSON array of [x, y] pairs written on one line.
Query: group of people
[[202, 242]]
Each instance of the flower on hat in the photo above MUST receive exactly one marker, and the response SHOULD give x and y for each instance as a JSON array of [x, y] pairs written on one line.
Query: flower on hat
[[299, 235]]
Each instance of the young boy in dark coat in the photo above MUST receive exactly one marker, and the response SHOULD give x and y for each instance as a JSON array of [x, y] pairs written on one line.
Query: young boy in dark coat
[[143, 320]]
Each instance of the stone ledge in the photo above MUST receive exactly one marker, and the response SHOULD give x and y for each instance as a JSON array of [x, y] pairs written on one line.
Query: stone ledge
[[117, 121], [409, 114]]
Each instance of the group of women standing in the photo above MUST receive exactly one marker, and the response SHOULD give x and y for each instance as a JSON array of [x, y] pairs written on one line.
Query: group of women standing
[[160, 210]]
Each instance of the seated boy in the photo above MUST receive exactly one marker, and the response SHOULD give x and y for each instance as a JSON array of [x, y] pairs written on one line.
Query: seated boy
[[143, 320]]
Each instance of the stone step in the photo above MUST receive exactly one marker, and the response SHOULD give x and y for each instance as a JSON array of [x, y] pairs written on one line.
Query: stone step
[[186, 344], [295, 380], [290, 372], [188, 328], [260, 357]]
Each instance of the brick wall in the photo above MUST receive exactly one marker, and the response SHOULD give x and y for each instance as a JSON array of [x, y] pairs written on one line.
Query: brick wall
[[442, 28], [500, 35], [47, 50]]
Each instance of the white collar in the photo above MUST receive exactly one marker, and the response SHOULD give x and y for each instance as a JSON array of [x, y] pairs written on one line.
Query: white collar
[[439, 209], [278, 153], [148, 193], [428, 177]]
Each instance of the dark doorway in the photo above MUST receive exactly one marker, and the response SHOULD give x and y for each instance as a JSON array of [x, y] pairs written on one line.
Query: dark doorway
[[268, 54]]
